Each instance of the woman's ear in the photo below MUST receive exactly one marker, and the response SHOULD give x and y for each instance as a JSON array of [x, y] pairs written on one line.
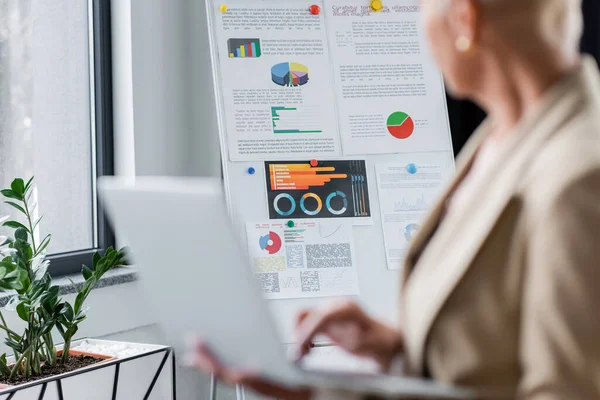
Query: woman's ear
[[464, 18]]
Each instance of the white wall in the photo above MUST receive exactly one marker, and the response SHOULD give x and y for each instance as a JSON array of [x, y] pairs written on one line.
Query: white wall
[[165, 124], [163, 91]]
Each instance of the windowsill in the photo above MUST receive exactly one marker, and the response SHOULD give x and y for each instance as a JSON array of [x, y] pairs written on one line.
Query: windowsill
[[113, 277]]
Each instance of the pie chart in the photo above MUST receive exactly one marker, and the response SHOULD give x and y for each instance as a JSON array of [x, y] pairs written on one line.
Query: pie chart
[[400, 125], [271, 242], [410, 231], [289, 74]]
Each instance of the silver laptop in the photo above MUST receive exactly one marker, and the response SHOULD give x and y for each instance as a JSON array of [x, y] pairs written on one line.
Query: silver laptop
[[199, 282]]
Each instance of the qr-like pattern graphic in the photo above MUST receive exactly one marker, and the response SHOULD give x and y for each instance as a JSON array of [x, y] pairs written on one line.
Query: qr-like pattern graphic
[[269, 264], [309, 280], [269, 282], [295, 256], [336, 255]]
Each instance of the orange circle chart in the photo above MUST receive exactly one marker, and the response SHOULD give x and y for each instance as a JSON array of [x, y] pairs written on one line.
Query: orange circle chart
[[400, 125]]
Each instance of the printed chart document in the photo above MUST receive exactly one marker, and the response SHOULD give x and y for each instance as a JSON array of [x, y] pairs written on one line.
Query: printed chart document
[[276, 81], [407, 190], [328, 189], [390, 94], [310, 259]]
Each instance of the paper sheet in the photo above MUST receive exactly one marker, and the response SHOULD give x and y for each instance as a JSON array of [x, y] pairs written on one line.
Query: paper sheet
[[276, 81], [311, 259], [390, 95], [407, 189], [329, 189]]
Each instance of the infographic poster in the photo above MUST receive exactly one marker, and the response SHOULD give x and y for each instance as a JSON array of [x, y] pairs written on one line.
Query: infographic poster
[[309, 259], [276, 83], [408, 188], [318, 189], [390, 94]]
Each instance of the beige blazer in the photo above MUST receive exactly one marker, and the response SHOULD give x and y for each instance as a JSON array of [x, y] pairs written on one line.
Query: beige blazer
[[503, 295]]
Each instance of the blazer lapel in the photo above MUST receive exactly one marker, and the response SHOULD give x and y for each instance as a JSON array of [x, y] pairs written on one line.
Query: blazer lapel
[[430, 224], [441, 262]]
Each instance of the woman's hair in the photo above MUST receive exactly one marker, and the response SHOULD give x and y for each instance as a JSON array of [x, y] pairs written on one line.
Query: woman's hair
[[558, 23]]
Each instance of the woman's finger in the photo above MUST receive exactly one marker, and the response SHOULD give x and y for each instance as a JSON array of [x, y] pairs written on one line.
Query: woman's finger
[[302, 315], [318, 322]]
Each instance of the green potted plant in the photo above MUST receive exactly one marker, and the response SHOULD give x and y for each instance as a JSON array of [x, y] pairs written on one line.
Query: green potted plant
[[23, 272]]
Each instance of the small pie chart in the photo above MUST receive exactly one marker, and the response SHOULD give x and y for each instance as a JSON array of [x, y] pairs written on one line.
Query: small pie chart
[[289, 74], [400, 125], [271, 242]]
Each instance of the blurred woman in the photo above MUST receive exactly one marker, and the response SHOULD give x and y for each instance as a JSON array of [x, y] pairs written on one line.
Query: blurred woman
[[501, 286]]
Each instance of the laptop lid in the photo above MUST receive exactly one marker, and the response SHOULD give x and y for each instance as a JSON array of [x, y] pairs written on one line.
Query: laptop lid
[[194, 275]]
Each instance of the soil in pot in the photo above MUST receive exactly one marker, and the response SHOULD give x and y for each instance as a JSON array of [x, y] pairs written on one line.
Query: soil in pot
[[75, 362]]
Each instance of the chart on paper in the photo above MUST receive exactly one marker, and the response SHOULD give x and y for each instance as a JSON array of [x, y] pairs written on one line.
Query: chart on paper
[[390, 94], [275, 83], [290, 120], [407, 190], [310, 259], [400, 125], [289, 74], [244, 48], [331, 189]]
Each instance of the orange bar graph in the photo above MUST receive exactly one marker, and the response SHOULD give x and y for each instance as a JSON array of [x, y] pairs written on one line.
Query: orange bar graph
[[300, 176]]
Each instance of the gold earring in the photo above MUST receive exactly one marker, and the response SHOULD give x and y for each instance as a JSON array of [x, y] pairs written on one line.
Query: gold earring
[[463, 44]]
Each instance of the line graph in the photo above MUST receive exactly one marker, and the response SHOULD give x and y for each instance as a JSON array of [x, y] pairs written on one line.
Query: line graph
[[333, 280], [290, 283], [420, 204]]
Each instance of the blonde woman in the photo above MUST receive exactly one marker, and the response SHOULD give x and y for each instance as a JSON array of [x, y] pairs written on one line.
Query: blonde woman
[[501, 291]]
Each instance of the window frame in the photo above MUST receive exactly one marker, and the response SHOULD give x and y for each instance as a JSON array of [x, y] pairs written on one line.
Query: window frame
[[102, 130]]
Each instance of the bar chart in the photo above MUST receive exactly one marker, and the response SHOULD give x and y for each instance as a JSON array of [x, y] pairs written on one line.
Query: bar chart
[[296, 120], [244, 48]]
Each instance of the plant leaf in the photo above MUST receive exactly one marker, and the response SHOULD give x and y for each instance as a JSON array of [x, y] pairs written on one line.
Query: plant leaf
[[21, 234], [36, 223], [97, 257], [44, 244], [15, 225], [67, 312], [73, 285], [18, 186], [11, 194], [15, 205], [79, 301], [28, 184], [86, 272], [23, 311]]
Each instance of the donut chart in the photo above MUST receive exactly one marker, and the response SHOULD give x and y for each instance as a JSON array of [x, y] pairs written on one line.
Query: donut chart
[[271, 242], [400, 125], [316, 210], [281, 212], [331, 197], [410, 231], [317, 188]]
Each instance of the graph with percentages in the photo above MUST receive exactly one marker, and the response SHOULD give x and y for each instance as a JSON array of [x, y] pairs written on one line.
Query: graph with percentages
[[332, 189]]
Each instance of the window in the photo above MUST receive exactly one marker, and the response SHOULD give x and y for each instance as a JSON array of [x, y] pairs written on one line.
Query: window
[[56, 117]]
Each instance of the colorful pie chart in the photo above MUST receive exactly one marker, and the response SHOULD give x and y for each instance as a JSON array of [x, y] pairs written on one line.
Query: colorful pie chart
[[289, 74], [400, 125], [271, 242]]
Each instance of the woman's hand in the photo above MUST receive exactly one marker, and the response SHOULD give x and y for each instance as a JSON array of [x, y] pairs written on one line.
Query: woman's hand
[[349, 327], [204, 360]]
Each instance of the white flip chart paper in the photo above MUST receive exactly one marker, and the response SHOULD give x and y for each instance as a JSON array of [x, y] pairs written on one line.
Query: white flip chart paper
[[276, 81], [390, 94], [309, 259]]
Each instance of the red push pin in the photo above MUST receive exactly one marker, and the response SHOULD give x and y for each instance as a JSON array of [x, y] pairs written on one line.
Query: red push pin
[[315, 9], [314, 163]]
